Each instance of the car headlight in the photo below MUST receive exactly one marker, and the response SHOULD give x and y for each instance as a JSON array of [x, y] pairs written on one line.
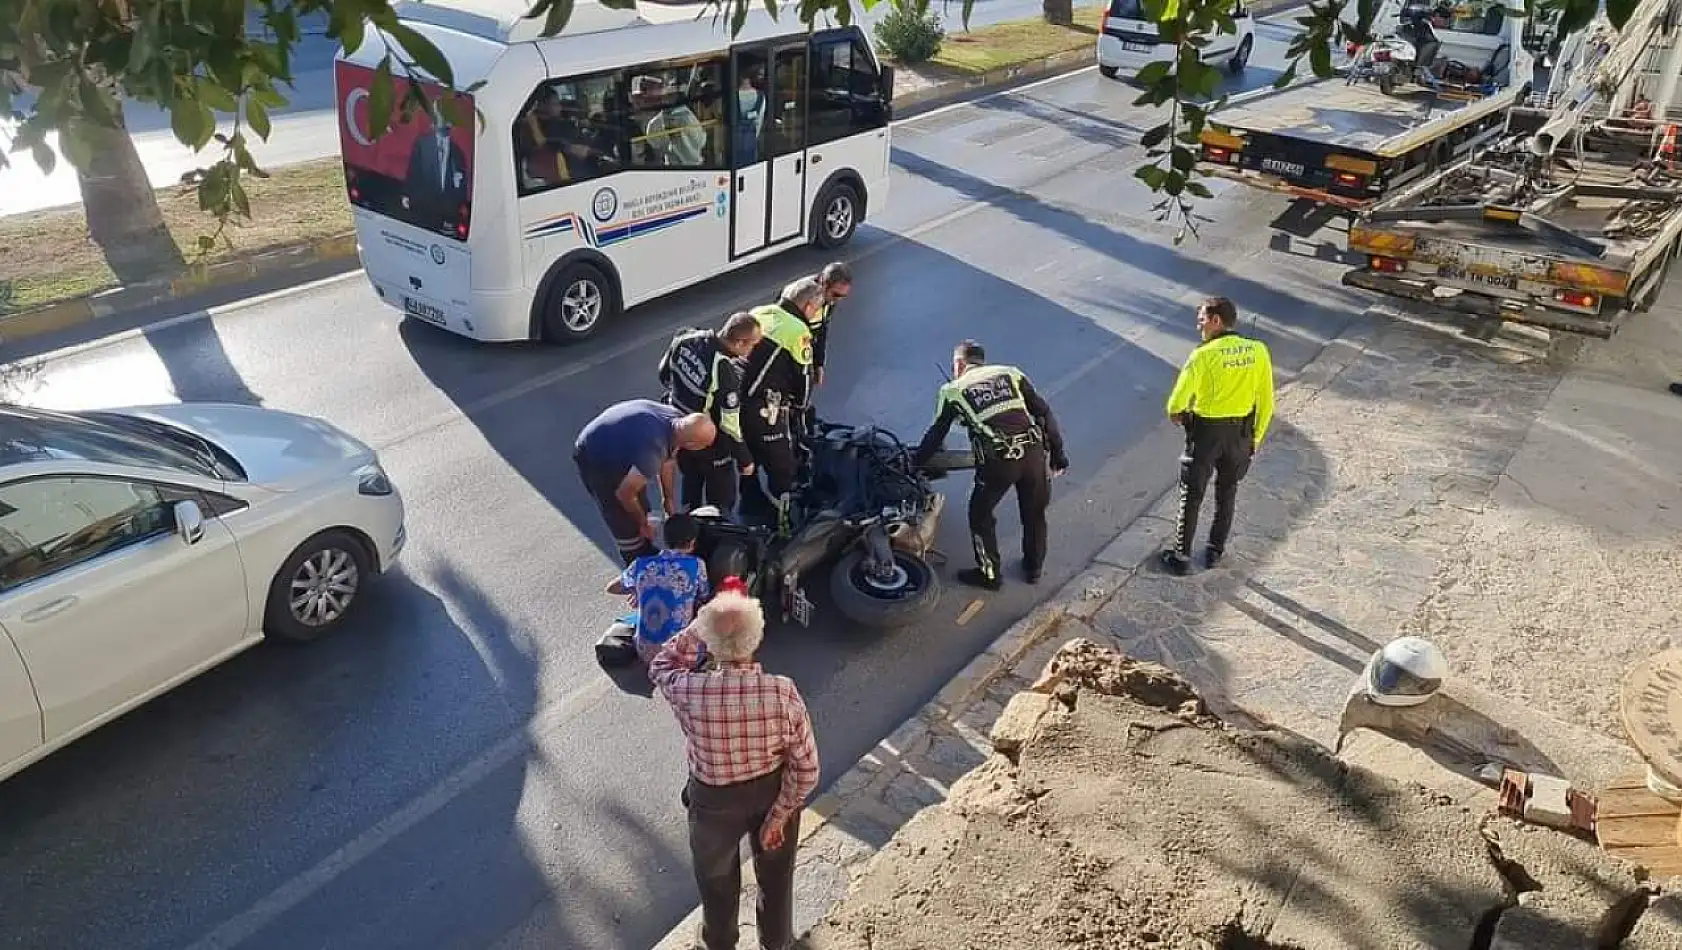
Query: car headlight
[[372, 480]]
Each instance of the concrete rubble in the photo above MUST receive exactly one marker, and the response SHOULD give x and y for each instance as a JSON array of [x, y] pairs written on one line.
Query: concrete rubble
[[1117, 812]]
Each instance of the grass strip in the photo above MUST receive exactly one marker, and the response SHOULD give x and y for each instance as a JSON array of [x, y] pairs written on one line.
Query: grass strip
[[1011, 43], [46, 256]]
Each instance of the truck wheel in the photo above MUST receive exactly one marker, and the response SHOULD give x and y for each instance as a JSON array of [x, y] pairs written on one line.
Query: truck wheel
[[1242, 57], [580, 301], [907, 596]]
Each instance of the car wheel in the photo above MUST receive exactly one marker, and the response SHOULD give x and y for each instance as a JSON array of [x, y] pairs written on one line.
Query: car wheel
[[1241, 58], [837, 217], [580, 301], [317, 588], [1109, 72]]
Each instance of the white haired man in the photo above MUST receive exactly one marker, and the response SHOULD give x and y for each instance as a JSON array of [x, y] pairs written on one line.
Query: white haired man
[[752, 762]]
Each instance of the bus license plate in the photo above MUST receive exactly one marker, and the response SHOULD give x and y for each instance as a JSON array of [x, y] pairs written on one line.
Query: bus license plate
[[425, 311], [1277, 167], [1501, 281], [1137, 47]]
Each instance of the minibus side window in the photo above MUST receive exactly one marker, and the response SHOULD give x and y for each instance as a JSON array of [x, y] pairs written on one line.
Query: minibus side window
[[846, 90], [571, 131], [677, 115]]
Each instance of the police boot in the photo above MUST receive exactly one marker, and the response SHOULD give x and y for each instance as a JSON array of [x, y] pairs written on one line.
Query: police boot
[[976, 577]]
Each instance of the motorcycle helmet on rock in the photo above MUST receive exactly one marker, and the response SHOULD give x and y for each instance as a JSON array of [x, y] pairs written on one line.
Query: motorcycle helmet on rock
[[1405, 672]]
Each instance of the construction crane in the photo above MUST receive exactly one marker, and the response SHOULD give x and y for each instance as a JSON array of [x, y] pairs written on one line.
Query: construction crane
[[1598, 63]]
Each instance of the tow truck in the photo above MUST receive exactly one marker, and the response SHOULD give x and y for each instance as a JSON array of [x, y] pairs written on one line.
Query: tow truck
[[1348, 140], [1572, 218]]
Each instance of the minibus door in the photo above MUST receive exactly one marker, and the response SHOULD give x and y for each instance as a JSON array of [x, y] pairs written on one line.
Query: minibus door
[[767, 109]]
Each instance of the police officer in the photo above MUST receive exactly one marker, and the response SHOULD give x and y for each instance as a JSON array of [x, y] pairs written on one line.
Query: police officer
[[1224, 399], [836, 279], [702, 372], [1011, 431], [779, 383]]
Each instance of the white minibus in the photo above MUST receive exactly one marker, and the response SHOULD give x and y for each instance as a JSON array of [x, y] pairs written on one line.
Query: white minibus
[[609, 165]]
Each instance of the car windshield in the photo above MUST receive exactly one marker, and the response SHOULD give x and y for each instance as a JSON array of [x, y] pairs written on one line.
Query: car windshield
[[35, 436]]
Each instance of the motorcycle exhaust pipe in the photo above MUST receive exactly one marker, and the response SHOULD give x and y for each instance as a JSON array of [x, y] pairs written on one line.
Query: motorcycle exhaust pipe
[[919, 538]]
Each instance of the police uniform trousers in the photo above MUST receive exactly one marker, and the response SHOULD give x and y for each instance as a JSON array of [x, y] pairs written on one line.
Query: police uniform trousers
[[708, 477], [1218, 447], [771, 444], [995, 475], [625, 526]]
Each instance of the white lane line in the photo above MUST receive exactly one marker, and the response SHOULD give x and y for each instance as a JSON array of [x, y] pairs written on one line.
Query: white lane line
[[244, 926]]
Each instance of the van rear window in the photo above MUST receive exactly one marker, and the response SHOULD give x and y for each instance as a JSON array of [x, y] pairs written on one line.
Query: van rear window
[[1128, 9], [420, 171]]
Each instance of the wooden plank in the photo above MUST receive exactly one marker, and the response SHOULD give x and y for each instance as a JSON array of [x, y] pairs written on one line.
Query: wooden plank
[[1660, 861], [1654, 830], [1634, 803]]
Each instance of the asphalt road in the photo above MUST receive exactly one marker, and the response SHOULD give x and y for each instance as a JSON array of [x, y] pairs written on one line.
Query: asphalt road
[[454, 771], [305, 129]]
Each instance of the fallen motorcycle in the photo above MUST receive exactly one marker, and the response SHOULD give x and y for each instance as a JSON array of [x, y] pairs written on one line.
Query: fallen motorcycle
[[860, 504]]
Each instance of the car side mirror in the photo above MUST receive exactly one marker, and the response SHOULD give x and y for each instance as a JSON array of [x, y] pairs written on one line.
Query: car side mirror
[[886, 82], [189, 521]]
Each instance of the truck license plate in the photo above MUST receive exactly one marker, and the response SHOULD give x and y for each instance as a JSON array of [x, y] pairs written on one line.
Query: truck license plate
[[1137, 47], [425, 311], [1501, 281], [1277, 167]]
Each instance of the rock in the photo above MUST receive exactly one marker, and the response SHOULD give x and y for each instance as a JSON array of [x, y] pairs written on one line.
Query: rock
[[1020, 720], [1573, 895], [1084, 664], [1660, 927]]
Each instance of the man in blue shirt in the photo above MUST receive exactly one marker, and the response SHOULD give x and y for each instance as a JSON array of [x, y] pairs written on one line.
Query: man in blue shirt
[[621, 451], [668, 586]]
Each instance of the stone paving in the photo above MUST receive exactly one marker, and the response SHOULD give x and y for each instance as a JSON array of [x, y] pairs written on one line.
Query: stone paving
[[1391, 498]]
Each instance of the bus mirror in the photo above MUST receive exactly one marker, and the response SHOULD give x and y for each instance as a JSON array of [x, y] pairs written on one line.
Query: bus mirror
[[887, 84]]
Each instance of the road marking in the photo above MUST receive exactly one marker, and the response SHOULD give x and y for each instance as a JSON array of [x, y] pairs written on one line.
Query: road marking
[[249, 923]]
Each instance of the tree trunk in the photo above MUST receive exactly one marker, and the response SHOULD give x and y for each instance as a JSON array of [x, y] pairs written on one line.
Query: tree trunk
[[122, 210], [1058, 12]]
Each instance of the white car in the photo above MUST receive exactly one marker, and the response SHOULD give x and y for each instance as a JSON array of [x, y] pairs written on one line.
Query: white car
[[1128, 39], [141, 547]]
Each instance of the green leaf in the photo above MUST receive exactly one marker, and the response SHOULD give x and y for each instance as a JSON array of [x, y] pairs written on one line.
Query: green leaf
[[257, 117], [1199, 189], [206, 128], [269, 97], [75, 139], [1153, 72], [424, 53], [379, 99], [44, 158], [560, 11], [184, 121], [236, 191], [1183, 159], [1287, 77], [1154, 137], [217, 97]]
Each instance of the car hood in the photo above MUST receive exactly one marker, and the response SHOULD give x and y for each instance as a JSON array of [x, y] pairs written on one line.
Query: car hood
[[278, 450]]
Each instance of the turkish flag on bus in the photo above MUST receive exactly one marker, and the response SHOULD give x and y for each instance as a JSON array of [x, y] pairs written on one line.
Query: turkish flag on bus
[[421, 170]]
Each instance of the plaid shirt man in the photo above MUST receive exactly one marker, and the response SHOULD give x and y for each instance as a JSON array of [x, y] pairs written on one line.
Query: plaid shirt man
[[739, 723]]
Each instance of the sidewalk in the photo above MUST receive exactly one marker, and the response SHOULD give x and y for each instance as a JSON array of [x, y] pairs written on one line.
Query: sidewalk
[[1517, 505]]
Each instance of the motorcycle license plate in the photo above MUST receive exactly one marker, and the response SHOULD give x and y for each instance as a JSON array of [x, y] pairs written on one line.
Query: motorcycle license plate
[[800, 607]]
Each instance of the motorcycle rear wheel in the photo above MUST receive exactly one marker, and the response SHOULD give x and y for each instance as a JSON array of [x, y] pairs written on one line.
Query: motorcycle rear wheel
[[908, 597]]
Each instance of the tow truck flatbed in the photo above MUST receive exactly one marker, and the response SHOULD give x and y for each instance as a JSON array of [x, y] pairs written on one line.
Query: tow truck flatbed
[[1347, 144]]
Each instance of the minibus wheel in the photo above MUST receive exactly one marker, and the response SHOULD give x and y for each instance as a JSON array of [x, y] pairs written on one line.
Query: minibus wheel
[[580, 300], [837, 216]]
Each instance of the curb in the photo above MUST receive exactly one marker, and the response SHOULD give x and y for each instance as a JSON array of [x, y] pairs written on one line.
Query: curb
[[1078, 600], [54, 317]]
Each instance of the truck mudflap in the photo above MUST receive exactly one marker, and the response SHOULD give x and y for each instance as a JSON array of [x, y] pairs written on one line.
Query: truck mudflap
[[1478, 305]]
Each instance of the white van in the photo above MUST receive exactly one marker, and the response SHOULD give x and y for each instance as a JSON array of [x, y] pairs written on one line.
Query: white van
[[1128, 39], [609, 165]]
